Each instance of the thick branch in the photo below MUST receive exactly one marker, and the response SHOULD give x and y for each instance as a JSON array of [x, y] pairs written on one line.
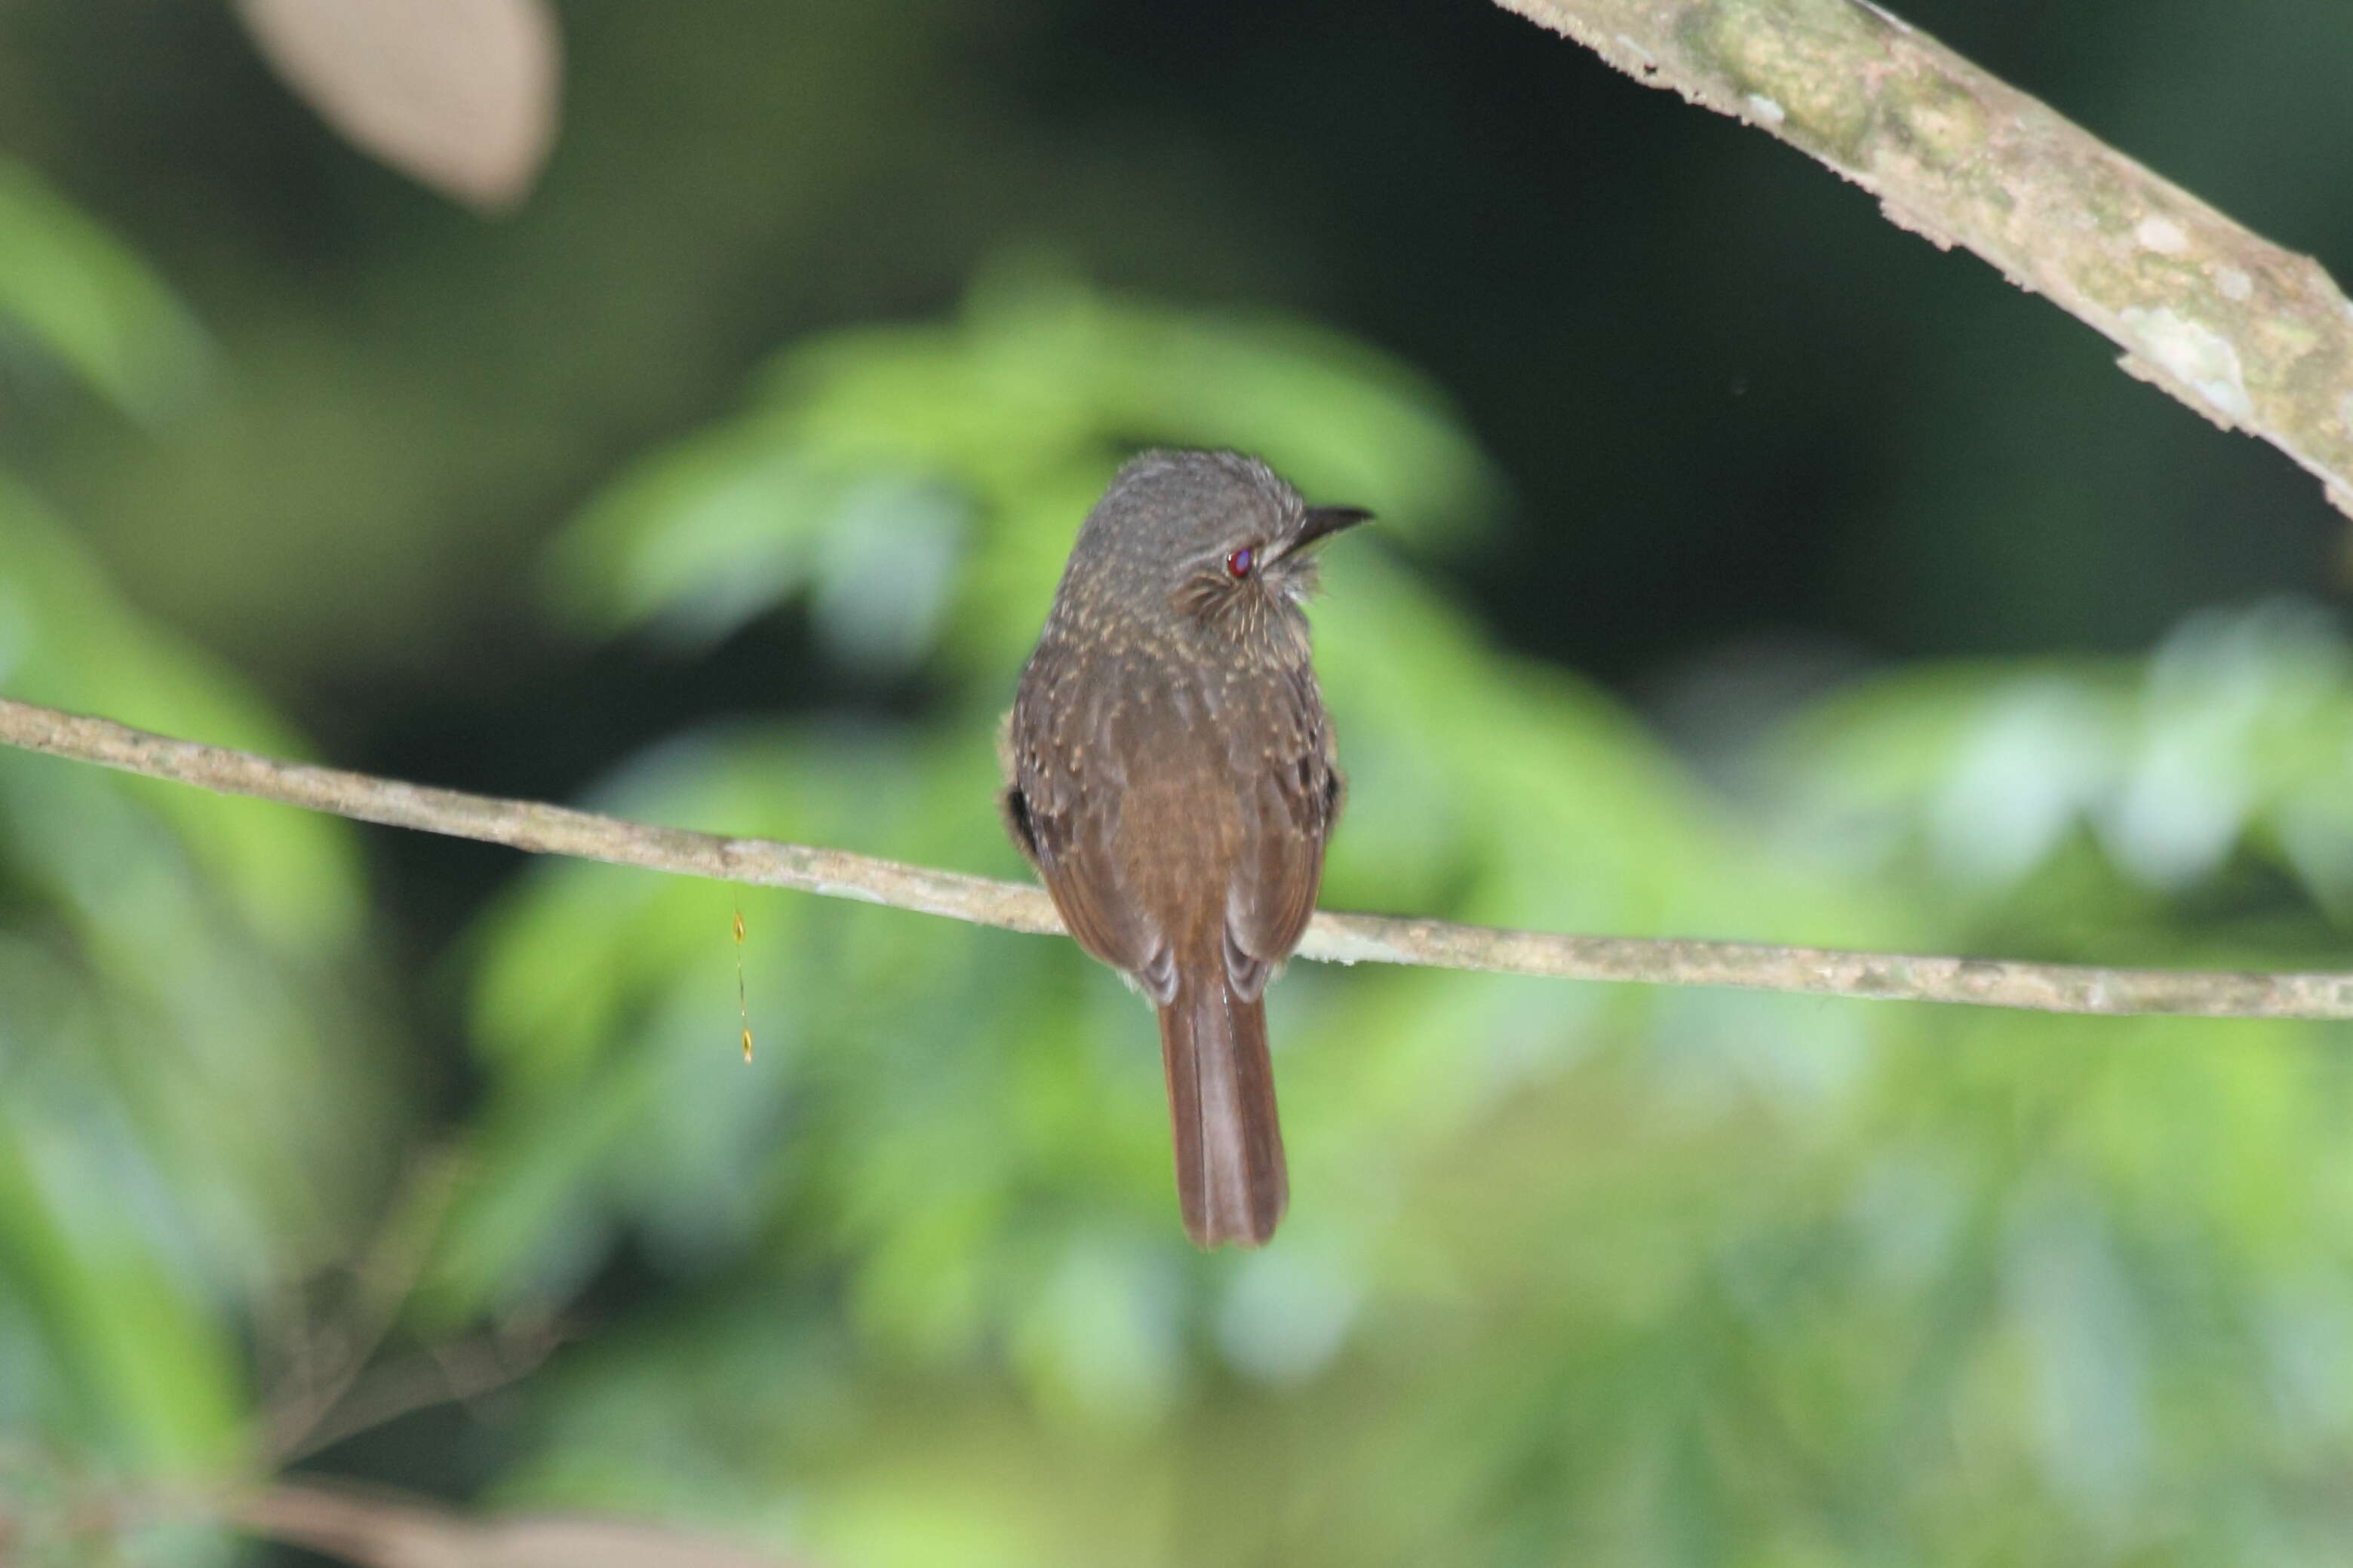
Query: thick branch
[[1343, 939], [2254, 337]]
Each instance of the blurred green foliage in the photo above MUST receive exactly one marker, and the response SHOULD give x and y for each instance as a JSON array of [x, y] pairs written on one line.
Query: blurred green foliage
[[191, 1110], [67, 286], [1573, 1274]]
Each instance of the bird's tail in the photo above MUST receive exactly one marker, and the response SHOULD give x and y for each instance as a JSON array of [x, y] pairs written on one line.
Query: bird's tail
[[1230, 1181]]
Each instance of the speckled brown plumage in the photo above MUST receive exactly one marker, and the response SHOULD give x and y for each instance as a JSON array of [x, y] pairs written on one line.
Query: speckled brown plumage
[[1170, 772]]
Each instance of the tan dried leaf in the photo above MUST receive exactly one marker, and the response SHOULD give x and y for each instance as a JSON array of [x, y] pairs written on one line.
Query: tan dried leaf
[[460, 94]]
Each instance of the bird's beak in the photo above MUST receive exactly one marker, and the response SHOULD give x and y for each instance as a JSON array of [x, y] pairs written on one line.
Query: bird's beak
[[1322, 523]]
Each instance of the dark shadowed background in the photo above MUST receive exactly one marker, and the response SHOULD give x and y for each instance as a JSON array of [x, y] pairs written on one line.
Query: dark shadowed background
[[1749, 568]]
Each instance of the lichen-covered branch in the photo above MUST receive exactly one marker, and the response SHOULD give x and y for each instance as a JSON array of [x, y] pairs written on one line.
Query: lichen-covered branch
[[1344, 939], [2254, 337]]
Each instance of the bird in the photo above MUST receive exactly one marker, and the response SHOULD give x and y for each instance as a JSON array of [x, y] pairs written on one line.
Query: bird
[[1170, 772]]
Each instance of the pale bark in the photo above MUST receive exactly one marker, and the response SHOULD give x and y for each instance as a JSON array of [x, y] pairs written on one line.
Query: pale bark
[[2254, 337]]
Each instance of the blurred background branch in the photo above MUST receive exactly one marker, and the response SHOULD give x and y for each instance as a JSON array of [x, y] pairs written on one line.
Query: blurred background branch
[[1344, 938], [380, 1529], [457, 1371], [2252, 336]]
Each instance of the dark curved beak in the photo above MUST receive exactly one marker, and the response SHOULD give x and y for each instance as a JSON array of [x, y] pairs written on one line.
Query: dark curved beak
[[1322, 523]]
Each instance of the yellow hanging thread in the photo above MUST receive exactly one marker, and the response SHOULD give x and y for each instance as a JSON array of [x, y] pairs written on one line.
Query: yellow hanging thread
[[743, 1004]]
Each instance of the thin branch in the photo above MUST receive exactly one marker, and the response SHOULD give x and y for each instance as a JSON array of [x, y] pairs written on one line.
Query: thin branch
[[454, 1374], [1344, 939], [2253, 337], [328, 1359]]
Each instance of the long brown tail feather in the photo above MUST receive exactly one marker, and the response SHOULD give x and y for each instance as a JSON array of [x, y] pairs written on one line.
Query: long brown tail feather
[[1230, 1181]]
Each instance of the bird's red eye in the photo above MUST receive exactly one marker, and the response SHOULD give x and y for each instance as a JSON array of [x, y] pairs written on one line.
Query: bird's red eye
[[1240, 563]]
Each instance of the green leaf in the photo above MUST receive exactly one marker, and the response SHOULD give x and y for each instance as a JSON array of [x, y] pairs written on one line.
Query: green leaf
[[70, 286], [68, 641]]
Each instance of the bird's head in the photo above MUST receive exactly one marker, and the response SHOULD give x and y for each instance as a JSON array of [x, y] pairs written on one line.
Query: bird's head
[[1213, 537]]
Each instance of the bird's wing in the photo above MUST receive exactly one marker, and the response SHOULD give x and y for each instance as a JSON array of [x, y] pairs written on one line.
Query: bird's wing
[[1280, 863], [1069, 835]]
